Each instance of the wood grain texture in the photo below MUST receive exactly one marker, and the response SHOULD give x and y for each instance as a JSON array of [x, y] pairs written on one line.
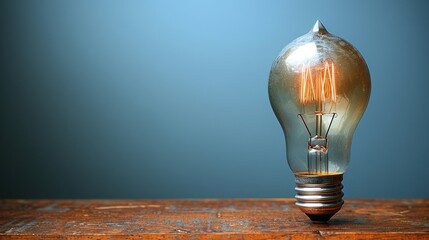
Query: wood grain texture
[[208, 219]]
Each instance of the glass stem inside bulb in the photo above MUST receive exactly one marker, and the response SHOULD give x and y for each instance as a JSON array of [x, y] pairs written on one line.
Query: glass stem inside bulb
[[317, 155]]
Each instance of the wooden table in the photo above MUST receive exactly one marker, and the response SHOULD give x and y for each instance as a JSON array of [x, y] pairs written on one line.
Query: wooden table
[[208, 219]]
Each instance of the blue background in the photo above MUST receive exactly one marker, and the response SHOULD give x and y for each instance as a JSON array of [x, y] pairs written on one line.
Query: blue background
[[168, 99]]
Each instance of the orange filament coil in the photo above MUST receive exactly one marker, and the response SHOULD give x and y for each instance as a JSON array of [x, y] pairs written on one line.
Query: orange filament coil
[[318, 85]]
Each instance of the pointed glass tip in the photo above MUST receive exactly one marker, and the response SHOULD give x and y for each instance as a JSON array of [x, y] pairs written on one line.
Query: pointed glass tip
[[319, 28]]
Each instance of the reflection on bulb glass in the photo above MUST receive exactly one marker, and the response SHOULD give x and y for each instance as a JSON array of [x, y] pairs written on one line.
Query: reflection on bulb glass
[[319, 87]]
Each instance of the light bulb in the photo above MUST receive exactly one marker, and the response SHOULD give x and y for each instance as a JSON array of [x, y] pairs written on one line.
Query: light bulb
[[319, 87]]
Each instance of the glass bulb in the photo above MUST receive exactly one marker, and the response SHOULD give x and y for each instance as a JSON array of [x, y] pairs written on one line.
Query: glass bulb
[[319, 87]]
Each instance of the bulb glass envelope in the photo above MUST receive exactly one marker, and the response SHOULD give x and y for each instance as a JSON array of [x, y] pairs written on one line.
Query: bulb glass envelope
[[319, 87]]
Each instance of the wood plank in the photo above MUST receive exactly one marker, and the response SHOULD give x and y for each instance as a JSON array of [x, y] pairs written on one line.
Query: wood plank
[[208, 219]]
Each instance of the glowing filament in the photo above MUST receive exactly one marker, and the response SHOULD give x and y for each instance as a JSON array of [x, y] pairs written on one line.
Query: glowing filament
[[318, 85]]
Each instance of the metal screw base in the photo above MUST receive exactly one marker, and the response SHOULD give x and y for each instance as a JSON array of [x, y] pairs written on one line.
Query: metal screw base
[[319, 196]]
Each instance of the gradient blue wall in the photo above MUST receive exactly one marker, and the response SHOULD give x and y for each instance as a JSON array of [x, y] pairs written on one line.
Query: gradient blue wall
[[168, 99]]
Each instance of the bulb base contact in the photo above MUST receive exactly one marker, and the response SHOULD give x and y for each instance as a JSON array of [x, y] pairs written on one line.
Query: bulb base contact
[[319, 196]]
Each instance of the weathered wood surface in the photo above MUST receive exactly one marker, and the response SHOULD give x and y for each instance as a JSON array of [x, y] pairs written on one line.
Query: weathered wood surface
[[208, 219]]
